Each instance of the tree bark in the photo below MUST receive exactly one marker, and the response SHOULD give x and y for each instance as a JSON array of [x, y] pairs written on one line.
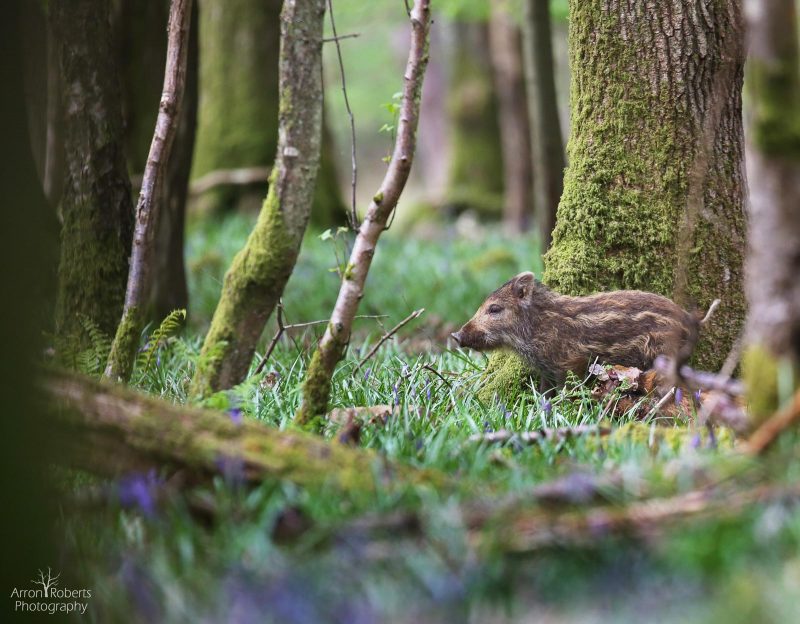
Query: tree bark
[[475, 181], [238, 118], [142, 47], [773, 264], [110, 430], [515, 134], [654, 192], [126, 340], [546, 140], [96, 202], [259, 272], [317, 384]]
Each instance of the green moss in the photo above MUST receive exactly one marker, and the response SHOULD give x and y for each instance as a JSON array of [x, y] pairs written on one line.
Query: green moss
[[316, 392], [123, 349], [672, 438], [769, 381], [505, 376], [259, 270]]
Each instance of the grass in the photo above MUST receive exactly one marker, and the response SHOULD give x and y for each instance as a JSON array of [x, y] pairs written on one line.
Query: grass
[[238, 567]]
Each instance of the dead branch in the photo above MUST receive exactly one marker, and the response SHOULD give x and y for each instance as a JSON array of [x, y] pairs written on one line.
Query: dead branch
[[336, 38], [527, 530], [769, 431], [284, 328], [237, 177], [111, 430], [389, 334], [123, 349], [340, 37], [316, 388], [540, 435]]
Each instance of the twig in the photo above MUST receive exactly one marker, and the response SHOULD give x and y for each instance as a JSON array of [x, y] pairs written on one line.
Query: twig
[[662, 402], [340, 37], [353, 214], [770, 430], [284, 328], [430, 368], [388, 335], [239, 177], [531, 437]]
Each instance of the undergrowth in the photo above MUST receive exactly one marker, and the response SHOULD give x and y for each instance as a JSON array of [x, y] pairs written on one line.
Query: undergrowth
[[280, 553]]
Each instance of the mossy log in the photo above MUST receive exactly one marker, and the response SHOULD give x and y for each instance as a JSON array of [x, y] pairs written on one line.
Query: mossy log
[[109, 430]]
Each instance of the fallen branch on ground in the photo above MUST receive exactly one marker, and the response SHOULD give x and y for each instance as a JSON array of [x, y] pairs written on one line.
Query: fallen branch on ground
[[111, 430], [540, 435]]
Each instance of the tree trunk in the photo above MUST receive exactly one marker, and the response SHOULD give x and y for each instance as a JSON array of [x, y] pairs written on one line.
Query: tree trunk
[[111, 430], [238, 118], [506, 50], [546, 140], [142, 47], [317, 383], [773, 265], [654, 191], [259, 272], [151, 197], [476, 170], [96, 203]]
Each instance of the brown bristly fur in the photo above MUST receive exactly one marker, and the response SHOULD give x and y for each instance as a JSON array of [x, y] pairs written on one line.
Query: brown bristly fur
[[557, 333]]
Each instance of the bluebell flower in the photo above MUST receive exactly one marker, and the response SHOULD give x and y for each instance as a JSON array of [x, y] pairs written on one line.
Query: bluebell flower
[[678, 396], [138, 490], [236, 415], [366, 373], [547, 407]]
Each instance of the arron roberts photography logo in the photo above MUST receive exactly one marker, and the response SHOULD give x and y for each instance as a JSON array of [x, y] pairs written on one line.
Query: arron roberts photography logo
[[50, 598]]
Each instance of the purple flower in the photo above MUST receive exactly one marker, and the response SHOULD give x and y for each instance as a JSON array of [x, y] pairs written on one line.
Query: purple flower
[[487, 426], [232, 469], [139, 490], [428, 392], [697, 397], [547, 407], [678, 396], [395, 395], [366, 373], [696, 441], [236, 415]]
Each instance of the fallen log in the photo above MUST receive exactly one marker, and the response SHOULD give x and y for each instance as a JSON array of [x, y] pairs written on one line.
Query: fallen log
[[110, 430]]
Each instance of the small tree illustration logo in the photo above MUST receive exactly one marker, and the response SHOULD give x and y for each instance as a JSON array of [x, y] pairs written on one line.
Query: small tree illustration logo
[[47, 582]]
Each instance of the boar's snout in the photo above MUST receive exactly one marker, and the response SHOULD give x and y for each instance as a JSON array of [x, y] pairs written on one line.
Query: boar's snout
[[456, 336]]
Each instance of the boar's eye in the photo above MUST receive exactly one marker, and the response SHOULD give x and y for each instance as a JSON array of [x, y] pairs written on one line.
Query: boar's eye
[[495, 309]]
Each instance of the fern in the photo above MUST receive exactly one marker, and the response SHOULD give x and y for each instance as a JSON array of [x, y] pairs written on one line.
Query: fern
[[170, 325], [92, 359]]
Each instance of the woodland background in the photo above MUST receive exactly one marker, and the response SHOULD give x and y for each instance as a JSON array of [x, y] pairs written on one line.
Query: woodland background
[[197, 428]]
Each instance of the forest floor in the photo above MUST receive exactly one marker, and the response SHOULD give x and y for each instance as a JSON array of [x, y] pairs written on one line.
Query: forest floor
[[597, 542]]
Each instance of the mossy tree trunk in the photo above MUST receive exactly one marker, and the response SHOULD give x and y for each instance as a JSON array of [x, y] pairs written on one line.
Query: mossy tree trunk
[[142, 46], [238, 118], [259, 272], [506, 50], [96, 202], [773, 281], [475, 181], [654, 191], [546, 140]]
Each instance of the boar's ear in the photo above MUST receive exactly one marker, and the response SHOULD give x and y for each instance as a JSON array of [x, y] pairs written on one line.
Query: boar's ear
[[523, 284]]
